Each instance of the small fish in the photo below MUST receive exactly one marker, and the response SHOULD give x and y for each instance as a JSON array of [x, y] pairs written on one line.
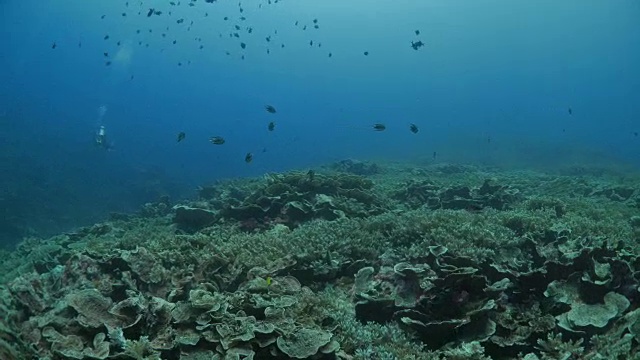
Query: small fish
[[243, 45], [269, 280], [311, 175], [106, 54], [54, 45], [181, 136], [435, 155], [379, 127], [217, 140], [417, 44], [366, 53], [417, 32], [106, 37], [270, 109], [570, 111], [414, 128], [108, 63], [271, 126], [635, 133], [248, 157]]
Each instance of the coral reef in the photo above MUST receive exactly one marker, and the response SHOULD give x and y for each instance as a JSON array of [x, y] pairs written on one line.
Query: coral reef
[[435, 262], [127, 302], [428, 194], [356, 167], [289, 199]]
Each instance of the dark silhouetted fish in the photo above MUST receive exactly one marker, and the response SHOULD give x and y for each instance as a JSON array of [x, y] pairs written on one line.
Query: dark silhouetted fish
[[417, 44], [217, 140]]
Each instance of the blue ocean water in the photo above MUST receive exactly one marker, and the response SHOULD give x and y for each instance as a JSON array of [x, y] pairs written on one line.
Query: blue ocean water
[[494, 83]]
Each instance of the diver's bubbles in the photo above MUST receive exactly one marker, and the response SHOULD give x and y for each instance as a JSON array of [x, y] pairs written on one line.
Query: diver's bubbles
[[124, 55], [102, 111]]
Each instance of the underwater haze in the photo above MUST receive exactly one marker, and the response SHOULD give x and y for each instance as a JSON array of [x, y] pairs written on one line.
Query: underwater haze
[[502, 83]]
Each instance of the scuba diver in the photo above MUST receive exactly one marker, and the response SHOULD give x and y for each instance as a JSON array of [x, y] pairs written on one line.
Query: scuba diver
[[101, 139]]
